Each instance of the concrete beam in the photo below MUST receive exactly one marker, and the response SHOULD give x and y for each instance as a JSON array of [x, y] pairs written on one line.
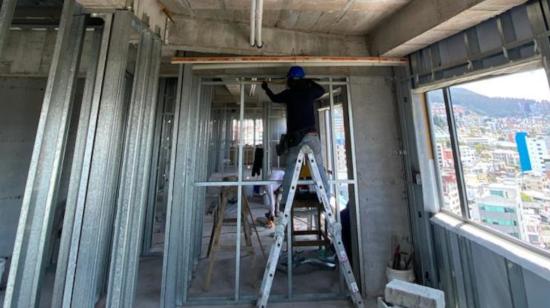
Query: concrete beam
[[423, 22], [184, 6], [232, 38]]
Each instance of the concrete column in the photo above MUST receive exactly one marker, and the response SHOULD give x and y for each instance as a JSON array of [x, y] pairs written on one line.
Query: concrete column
[[383, 210]]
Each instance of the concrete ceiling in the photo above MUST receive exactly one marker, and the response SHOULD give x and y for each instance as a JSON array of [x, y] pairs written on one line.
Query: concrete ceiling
[[348, 17], [310, 27]]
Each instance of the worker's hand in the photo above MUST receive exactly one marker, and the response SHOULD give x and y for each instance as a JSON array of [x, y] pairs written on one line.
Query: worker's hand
[[264, 86]]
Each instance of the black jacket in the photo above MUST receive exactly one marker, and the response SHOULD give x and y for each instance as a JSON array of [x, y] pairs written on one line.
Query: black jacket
[[299, 99]]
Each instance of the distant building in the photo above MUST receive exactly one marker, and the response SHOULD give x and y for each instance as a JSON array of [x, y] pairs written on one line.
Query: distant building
[[509, 157], [535, 205], [444, 156], [439, 154], [467, 155], [500, 208], [472, 141], [450, 193], [533, 153], [535, 183]]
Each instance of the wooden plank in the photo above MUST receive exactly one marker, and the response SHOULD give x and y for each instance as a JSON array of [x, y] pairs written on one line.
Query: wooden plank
[[365, 61]]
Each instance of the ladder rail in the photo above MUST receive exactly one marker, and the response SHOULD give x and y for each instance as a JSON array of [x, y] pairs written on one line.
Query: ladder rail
[[334, 228], [277, 246], [335, 232]]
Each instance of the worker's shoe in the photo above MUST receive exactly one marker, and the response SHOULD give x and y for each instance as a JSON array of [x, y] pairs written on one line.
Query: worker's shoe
[[270, 222]]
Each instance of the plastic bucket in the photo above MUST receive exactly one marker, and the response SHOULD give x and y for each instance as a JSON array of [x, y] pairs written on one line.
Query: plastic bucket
[[404, 275]]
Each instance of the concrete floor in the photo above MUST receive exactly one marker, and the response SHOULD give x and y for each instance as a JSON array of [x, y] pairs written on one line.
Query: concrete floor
[[307, 278], [148, 291]]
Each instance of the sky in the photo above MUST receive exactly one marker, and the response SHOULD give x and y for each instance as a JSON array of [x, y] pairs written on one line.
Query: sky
[[529, 85]]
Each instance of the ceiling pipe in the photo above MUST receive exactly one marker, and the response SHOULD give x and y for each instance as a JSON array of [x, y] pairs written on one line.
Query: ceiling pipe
[[252, 23], [259, 17]]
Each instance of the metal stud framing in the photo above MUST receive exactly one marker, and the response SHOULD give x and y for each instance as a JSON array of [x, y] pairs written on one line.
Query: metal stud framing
[[452, 59], [159, 161], [95, 195], [174, 272], [191, 137], [7, 8], [132, 196], [98, 191], [539, 17], [88, 111], [40, 197]]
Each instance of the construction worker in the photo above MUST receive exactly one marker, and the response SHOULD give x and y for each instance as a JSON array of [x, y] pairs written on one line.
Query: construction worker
[[299, 97]]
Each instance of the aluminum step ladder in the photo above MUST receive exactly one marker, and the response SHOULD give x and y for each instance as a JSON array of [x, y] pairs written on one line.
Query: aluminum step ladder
[[334, 229]]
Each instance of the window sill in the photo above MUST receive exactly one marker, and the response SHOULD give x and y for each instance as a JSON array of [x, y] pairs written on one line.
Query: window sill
[[529, 259]]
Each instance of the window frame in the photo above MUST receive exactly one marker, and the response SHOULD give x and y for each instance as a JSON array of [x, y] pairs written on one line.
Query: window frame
[[457, 161]]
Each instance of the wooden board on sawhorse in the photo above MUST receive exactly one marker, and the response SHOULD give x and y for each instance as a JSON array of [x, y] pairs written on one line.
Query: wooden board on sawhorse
[[219, 220]]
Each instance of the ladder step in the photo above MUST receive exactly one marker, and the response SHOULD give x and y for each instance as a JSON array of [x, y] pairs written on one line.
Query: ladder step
[[334, 229]]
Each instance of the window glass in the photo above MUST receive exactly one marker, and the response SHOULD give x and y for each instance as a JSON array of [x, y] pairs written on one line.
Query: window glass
[[443, 153], [503, 131]]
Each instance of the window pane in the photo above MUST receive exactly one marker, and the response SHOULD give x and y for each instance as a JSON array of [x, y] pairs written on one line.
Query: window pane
[[504, 134], [443, 153]]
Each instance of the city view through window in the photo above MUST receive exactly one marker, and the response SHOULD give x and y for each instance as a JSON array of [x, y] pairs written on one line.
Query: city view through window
[[503, 130]]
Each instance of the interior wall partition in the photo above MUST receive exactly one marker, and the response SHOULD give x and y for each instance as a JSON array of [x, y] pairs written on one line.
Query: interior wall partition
[[201, 149], [113, 138]]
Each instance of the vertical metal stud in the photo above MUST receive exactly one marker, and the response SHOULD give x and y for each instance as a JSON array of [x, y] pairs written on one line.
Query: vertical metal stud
[[507, 33], [99, 197], [267, 141], [471, 41], [40, 197], [189, 187], [174, 217], [239, 197], [7, 9], [536, 12], [154, 176], [333, 163], [88, 113], [177, 253], [132, 195]]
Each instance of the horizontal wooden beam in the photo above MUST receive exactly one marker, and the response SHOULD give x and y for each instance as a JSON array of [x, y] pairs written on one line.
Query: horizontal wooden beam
[[265, 61]]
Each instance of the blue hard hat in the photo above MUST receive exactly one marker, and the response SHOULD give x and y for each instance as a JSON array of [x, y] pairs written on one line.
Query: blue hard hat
[[296, 72]]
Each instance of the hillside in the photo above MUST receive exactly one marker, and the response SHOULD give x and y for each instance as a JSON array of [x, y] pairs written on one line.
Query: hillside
[[494, 106]]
